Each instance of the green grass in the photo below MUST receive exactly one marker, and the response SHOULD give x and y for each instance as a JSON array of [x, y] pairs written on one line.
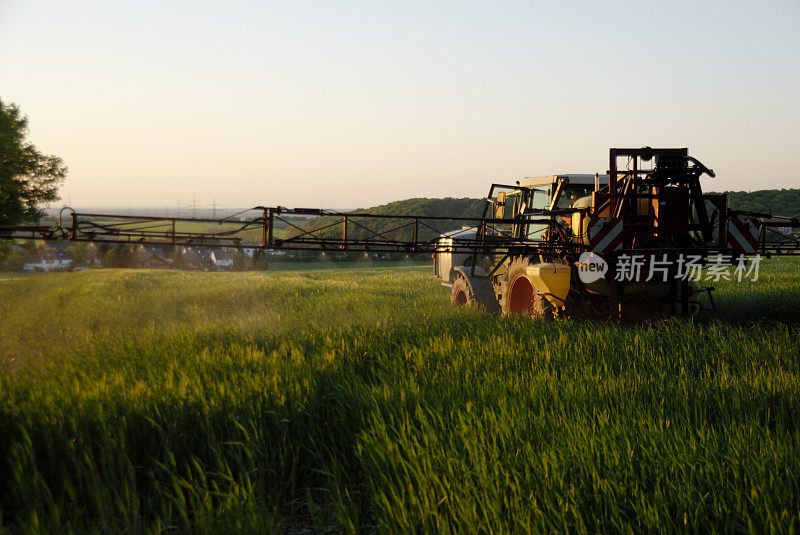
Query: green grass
[[358, 400]]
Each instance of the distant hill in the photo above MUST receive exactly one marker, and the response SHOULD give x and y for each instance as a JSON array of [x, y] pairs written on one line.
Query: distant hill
[[778, 201], [360, 228], [447, 207], [784, 202]]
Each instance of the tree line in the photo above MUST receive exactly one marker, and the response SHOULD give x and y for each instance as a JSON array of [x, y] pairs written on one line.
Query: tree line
[[108, 255]]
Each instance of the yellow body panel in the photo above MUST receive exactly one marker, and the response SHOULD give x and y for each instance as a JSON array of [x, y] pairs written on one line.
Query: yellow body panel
[[552, 280]]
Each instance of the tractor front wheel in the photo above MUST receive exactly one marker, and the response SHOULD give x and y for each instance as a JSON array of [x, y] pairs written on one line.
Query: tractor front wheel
[[461, 293], [519, 296]]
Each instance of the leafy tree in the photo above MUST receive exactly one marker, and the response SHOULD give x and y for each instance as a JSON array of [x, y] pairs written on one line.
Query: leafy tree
[[784, 202], [80, 254], [127, 256], [14, 260], [241, 261], [112, 257], [178, 261], [260, 261], [28, 178]]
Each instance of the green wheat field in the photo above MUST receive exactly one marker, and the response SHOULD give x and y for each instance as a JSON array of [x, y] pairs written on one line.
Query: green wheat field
[[358, 400]]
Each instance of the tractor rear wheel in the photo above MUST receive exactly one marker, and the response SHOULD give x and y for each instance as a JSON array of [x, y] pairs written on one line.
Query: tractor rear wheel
[[518, 295], [461, 293]]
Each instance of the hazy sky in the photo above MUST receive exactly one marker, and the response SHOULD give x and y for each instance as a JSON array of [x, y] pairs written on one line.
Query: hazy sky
[[345, 104]]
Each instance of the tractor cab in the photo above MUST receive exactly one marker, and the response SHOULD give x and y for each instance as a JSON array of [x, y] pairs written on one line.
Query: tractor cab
[[563, 191], [560, 192], [527, 206], [505, 203]]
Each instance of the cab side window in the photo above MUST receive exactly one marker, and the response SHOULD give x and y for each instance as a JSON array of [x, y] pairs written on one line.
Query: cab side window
[[541, 198]]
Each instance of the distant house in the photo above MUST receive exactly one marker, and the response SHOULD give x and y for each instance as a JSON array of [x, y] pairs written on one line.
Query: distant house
[[93, 255], [148, 259], [192, 258], [47, 261], [222, 259], [786, 230]]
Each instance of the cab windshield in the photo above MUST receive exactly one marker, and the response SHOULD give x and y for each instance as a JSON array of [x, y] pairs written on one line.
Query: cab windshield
[[572, 193]]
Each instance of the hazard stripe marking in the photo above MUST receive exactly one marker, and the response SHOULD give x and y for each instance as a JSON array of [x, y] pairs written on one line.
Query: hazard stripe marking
[[606, 234], [743, 234]]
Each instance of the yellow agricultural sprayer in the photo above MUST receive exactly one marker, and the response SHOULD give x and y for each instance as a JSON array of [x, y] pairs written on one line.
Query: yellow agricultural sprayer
[[627, 243]]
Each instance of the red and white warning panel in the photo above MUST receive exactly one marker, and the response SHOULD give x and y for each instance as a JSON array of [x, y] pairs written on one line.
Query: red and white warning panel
[[744, 233], [605, 234]]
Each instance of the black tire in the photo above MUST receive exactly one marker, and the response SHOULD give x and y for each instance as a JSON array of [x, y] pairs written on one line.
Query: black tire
[[461, 293], [518, 295]]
